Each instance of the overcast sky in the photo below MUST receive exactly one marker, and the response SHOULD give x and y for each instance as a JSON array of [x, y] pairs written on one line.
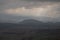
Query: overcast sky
[[18, 10]]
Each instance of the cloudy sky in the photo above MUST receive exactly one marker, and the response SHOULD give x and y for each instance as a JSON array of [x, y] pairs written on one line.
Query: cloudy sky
[[18, 10]]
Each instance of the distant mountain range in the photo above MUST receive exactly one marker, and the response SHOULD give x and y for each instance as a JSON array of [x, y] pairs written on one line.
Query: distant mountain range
[[30, 23]]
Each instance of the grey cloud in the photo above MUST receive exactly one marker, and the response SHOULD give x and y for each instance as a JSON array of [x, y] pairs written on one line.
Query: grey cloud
[[44, 0], [7, 4], [16, 19], [11, 18]]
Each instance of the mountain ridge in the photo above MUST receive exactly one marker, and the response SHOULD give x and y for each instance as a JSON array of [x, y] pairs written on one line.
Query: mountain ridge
[[31, 23]]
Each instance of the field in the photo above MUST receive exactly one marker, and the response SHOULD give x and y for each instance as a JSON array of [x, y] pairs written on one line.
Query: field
[[29, 34]]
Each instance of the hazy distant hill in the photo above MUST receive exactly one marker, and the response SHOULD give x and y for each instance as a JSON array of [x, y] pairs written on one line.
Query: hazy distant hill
[[31, 23], [39, 24]]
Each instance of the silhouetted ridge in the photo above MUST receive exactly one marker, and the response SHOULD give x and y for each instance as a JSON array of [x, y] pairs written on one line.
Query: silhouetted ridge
[[31, 22]]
